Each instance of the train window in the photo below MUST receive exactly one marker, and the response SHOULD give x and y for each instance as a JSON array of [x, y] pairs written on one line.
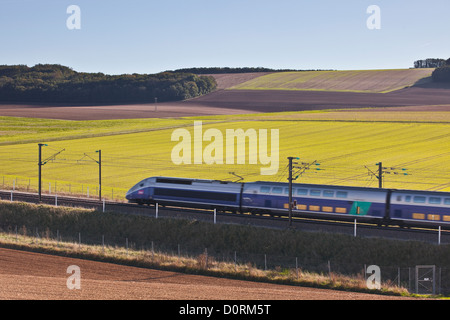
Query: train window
[[277, 190], [434, 217], [341, 194], [194, 194], [315, 193], [399, 198], [174, 181], [328, 193], [407, 198], [418, 216], [265, 189], [419, 199], [302, 192], [434, 200], [447, 201]]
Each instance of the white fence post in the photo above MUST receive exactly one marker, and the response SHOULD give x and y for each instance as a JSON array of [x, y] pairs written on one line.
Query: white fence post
[[439, 236]]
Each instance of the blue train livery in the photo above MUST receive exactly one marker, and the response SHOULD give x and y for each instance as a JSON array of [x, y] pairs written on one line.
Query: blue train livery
[[383, 206]]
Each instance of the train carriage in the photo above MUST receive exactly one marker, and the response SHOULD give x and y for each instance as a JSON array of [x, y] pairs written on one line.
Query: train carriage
[[420, 207], [316, 200]]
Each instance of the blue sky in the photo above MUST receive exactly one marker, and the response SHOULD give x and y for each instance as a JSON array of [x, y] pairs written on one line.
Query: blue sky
[[147, 36]]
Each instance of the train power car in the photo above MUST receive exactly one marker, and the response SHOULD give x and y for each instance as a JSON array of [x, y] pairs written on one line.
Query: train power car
[[196, 193]]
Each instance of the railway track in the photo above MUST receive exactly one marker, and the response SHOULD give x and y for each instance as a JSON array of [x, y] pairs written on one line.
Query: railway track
[[432, 235]]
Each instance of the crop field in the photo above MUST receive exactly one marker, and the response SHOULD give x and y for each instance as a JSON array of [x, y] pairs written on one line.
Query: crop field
[[346, 146], [374, 81]]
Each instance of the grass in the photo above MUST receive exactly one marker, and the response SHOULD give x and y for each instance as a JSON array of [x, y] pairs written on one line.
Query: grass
[[15, 130], [379, 81], [345, 146], [313, 249]]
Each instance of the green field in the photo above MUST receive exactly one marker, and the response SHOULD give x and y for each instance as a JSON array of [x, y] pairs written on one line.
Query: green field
[[345, 145], [379, 81]]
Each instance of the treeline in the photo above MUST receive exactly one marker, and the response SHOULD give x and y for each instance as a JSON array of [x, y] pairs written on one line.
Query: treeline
[[57, 83], [219, 70], [429, 63], [442, 74]]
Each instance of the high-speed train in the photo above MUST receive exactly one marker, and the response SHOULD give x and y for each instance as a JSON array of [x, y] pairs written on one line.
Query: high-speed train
[[382, 206]]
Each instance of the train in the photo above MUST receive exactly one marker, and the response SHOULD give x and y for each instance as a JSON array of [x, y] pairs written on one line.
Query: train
[[344, 203]]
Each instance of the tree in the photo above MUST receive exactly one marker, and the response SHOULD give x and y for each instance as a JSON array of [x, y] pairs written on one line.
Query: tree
[[429, 63], [441, 74]]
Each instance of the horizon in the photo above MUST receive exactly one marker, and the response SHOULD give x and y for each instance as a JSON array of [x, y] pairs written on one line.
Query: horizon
[[174, 70], [151, 37]]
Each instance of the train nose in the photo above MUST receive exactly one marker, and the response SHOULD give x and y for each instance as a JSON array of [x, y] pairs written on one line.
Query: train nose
[[129, 195]]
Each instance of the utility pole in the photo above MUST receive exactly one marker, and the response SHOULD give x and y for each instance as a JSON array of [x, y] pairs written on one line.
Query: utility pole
[[41, 163], [40, 170], [300, 170], [385, 170], [99, 174], [380, 175], [290, 187], [99, 162]]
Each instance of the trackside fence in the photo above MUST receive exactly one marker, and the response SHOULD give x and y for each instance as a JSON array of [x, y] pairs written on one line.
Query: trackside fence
[[62, 188]]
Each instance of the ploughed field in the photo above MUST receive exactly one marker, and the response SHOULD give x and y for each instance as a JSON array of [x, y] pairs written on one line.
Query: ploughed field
[[270, 92], [29, 276]]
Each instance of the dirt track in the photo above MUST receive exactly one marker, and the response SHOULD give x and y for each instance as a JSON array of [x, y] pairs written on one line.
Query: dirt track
[[27, 275]]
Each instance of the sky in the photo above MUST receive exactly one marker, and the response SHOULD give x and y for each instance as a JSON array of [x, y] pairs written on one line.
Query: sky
[[150, 36]]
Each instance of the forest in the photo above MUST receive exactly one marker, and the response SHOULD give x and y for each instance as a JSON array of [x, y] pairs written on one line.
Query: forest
[[220, 70], [429, 63], [442, 74], [60, 84]]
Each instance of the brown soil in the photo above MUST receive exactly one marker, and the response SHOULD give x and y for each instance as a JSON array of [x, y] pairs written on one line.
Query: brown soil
[[28, 275], [243, 101], [228, 80]]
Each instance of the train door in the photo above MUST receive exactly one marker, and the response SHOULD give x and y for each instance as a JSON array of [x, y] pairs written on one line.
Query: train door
[[360, 208]]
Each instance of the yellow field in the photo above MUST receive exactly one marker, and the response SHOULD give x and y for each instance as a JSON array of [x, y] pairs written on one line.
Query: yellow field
[[380, 81], [345, 149]]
